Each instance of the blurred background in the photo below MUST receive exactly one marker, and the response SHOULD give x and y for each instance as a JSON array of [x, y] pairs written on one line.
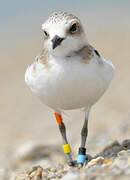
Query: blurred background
[[22, 116]]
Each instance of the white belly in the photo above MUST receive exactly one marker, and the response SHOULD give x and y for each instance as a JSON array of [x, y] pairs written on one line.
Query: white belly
[[70, 84]]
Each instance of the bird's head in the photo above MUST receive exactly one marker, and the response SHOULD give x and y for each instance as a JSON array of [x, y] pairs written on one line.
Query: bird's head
[[63, 34]]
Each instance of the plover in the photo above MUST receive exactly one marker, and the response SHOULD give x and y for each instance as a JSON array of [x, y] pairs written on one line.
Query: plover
[[68, 74]]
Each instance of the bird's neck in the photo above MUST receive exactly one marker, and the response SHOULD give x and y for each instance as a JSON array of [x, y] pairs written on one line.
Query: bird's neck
[[81, 51]]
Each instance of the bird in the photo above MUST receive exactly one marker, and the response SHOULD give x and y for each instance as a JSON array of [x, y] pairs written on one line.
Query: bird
[[68, 74]]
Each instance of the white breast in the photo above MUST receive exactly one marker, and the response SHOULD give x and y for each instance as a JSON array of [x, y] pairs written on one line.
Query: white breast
[[70, 84]]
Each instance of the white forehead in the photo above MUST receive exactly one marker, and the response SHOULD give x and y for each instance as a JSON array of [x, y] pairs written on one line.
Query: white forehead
[[57, 22]]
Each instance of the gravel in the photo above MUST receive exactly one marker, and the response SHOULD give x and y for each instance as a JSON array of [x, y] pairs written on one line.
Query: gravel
[[113, 162]]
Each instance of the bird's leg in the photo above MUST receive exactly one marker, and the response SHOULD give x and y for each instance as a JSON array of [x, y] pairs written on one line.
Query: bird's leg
[[66, 146], [84, 133]]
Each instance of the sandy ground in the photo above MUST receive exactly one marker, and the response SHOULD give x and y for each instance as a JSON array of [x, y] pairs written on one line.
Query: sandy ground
[[24, 118]]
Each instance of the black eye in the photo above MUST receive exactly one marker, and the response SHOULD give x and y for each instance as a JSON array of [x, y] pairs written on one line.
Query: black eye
[[46, 34], [73, 28]]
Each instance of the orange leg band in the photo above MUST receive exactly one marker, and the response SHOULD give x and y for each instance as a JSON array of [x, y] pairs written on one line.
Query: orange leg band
[[59, 119]]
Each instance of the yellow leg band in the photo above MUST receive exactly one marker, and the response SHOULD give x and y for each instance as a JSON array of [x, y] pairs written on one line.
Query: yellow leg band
[[66, 148]]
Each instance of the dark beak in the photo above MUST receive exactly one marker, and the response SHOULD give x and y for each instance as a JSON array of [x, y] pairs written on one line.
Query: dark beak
[[56, 41]]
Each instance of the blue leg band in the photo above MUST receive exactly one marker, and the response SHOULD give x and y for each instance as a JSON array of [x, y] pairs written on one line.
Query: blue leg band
[[81, 158]]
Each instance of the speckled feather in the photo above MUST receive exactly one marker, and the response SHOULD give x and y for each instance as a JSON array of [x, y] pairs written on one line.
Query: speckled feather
[[61, 16]]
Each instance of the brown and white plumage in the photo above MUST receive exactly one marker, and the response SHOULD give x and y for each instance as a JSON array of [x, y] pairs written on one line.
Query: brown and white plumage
[[69, 73]]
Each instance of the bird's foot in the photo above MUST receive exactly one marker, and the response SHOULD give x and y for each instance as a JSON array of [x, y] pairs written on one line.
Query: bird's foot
[[71, 164], [75, 164]]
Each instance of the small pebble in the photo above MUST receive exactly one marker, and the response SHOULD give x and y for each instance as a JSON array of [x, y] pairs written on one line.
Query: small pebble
[[122, 153], [107, 162], [126, 144], [93, 162], [53, 170], [112, 163]]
